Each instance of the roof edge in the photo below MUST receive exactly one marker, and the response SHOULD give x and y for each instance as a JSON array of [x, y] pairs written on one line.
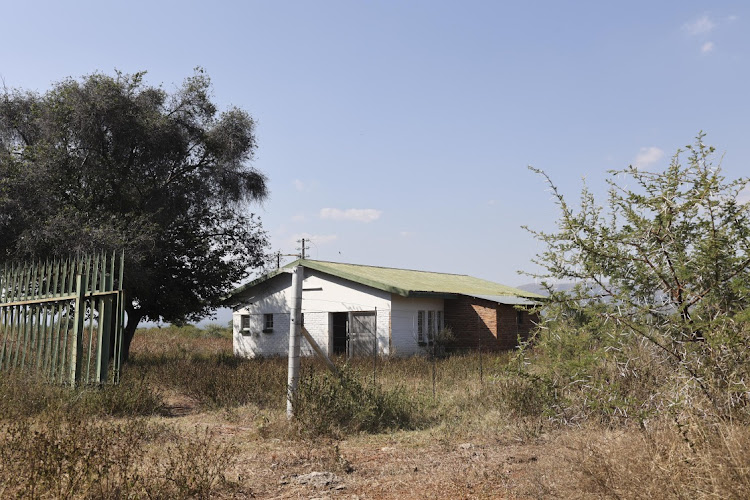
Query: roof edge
[[320, 266], [312, 264], [227, 300]]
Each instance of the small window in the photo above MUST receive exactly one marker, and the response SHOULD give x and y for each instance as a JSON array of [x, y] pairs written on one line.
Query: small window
[[267, 323], [245, 324], [519, 318]]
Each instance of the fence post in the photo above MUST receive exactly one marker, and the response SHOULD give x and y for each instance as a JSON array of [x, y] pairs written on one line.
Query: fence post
[[120, 323], [118, 334], [375, 349], [105, 322], [76, 348]]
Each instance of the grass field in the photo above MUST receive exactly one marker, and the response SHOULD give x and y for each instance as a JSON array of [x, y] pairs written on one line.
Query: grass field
[[192, 421]]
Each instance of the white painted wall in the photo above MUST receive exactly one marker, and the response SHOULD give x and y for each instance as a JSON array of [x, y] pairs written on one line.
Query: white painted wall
[[273, 296], [404, 322], [322, 294]]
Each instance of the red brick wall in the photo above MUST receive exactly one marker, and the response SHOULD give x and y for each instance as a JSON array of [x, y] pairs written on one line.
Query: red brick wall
[[473, 321], [510, 328], [482, 323]]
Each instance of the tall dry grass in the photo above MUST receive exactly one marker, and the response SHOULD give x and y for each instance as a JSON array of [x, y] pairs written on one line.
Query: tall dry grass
[[663, 461], [55, 457]]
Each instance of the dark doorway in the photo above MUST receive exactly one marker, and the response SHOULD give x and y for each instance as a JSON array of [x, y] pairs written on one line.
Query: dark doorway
[[339, 321]]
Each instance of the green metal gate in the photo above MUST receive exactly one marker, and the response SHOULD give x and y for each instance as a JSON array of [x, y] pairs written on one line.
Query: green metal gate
[[63, 320]]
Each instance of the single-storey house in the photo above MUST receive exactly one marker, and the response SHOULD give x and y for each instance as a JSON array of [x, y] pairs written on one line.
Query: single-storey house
[[358, 310]]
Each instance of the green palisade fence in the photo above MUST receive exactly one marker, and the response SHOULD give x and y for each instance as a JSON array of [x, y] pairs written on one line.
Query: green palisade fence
[[63, 319]]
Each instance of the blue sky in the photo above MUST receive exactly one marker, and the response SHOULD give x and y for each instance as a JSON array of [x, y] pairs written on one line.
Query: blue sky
[[397, 133]]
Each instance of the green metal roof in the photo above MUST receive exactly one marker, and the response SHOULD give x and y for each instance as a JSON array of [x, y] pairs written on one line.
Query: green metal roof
[[404, 282]]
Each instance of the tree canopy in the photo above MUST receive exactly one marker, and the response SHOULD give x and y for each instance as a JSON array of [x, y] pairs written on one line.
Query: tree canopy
[[105, 163], [667, 259]]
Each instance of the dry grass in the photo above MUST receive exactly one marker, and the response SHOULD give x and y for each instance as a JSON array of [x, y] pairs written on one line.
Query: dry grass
[[664, 462], [191, 421]]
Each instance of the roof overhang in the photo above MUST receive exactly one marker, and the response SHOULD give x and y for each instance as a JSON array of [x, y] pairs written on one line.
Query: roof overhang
[[510, 300], [237, 295]]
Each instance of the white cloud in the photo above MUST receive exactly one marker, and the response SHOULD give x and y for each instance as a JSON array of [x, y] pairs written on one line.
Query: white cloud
[[299, 218], [354, 214], [648, 156], [305, 186], [707, 47], [732, 18], [406, 234], [700, 26]]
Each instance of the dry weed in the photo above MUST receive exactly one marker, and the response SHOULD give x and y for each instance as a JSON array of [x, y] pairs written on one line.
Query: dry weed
[[706, 461]]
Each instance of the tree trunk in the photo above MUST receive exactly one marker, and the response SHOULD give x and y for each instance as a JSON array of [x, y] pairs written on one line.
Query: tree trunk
[[134, 317]]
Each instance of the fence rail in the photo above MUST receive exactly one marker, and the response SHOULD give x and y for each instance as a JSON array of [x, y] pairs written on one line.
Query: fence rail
[[63, 319]]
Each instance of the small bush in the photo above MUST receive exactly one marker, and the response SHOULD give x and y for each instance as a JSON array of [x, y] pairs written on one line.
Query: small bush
[[216, 331], [597, 374], [70, 458], [224, 381], [23, 396], [329, 405], [195, 466], [133, 397], [523, 395], [26, 396]]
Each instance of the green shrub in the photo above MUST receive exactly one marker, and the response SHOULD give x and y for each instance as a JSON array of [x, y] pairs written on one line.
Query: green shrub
[[600, 374], [524, 395], [25, 396], [220, 380], [327, 404], [133, 397], [216, 331]]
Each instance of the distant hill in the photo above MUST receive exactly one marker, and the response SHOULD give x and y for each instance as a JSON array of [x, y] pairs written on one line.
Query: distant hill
[[538, 288], [593, 290]]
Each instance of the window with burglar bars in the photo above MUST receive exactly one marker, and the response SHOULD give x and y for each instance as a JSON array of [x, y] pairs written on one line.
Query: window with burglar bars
[[245, 324], [267, 323], [429, 324]]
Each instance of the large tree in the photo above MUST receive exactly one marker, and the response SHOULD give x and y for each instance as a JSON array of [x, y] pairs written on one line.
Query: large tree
[[105, 163]]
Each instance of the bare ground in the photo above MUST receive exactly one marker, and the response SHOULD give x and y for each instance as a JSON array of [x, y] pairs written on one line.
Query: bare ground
[[404, 465]]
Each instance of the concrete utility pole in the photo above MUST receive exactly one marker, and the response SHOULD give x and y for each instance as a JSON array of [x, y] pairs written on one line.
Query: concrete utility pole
[[295, 329], [279, 255]]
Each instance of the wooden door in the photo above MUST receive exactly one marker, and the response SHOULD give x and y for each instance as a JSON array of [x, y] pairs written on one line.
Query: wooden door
[[362, 336]]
